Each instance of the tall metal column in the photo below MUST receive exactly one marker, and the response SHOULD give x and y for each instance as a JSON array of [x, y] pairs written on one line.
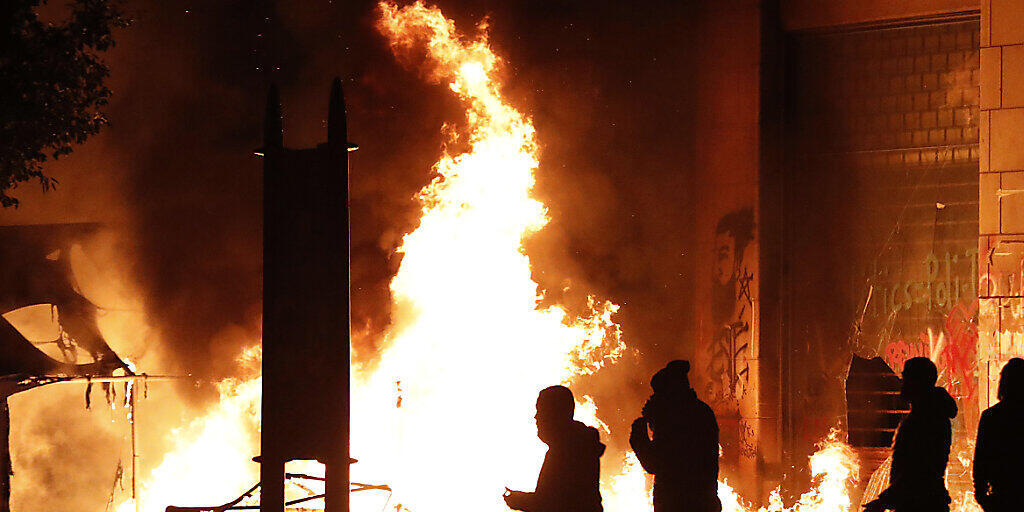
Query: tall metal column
[[306, 305], [337, 462], [5, 456]]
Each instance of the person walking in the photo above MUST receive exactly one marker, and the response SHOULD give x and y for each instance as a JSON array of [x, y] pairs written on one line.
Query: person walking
[[920, 449]]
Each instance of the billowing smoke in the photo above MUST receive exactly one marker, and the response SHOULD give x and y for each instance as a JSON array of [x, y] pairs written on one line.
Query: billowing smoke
[[175, 179]]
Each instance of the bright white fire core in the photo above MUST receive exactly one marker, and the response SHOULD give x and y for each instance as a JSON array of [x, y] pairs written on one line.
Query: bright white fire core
[[470, 345], [444, 416]]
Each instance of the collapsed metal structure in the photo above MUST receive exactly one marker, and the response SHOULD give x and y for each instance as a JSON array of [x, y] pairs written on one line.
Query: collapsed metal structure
[[35, 269]]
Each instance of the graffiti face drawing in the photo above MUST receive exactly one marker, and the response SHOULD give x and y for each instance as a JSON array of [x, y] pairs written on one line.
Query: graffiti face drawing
[[731, 307], [725, 258]]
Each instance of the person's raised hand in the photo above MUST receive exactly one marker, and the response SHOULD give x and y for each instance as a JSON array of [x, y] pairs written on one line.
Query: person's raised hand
[[646, 411], [516, 500], [639, 429]]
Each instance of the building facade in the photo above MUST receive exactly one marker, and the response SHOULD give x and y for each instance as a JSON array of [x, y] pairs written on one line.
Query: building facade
[[861, 193]]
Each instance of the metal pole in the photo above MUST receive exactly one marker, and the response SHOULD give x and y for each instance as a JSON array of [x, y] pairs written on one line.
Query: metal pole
[[271, 483], [274, 257], [5, 457], [131, 422], [117, 378], [336, 488]]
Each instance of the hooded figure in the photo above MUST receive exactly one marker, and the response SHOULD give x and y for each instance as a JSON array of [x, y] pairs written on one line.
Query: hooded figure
[[920, 449], [683, 454], [569, 478], [999, 455]]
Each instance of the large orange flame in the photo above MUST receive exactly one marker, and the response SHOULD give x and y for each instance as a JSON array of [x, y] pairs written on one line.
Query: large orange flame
[[445, 415], [471, 346], [835, 469], [209, 459]]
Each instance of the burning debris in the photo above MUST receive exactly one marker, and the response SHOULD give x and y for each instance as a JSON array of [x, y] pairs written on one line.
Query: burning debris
[[835, 469], [35, 270]]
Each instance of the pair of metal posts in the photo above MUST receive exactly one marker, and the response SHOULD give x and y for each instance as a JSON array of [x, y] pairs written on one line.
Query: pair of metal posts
[[305, 403]]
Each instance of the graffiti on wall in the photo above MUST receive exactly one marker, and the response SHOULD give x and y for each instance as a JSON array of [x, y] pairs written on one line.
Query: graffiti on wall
[[732, 306], [953, 348], [946, 279], [1001, 287]]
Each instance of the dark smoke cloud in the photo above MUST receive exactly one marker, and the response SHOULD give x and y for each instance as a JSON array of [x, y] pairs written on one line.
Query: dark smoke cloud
[[196, 193], [41, 480], [608, 85]]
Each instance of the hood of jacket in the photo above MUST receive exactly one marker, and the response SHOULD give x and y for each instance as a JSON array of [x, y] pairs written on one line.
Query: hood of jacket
[[937, 401], [579, 438]]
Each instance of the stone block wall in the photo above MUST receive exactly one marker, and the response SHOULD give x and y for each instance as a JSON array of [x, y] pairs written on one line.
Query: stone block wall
[[1001, 194]]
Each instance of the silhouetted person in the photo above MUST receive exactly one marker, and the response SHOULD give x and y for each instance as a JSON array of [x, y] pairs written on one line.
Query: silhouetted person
[[683, 455], [921, 447], [999, 455], [569, 477]]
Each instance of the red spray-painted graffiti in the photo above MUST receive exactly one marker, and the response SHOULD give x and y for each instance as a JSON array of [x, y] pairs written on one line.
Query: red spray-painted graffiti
[[954, 350], [959, 355]]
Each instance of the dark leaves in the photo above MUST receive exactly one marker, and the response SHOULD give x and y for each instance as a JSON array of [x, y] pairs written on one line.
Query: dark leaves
[[51, 85]]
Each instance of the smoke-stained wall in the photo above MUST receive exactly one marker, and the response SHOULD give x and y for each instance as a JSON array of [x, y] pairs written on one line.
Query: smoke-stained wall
[[818, 14], [881, 191], [727, 272], [738, 178]]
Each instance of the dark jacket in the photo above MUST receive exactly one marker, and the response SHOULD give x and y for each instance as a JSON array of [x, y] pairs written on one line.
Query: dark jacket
[[920, 452], [999, 458], [569, 478], [683, 454]]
